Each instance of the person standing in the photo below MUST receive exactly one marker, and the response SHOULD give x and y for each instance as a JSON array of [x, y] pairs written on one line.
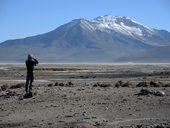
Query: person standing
[[30, 63]]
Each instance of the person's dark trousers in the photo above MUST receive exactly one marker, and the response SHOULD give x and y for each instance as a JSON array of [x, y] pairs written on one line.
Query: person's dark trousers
[[29, 80]]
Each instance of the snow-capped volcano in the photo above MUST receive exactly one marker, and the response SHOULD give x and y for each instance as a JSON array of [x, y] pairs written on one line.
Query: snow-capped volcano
[[105, 38], [125, 26]]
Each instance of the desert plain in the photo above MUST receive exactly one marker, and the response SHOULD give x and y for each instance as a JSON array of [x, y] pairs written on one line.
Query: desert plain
[[103, 95]]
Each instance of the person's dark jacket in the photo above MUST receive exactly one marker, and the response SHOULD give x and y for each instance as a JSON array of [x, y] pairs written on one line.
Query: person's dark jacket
[[30, 64]]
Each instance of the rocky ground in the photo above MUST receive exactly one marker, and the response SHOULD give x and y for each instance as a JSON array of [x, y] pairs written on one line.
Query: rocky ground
[[86, 96]]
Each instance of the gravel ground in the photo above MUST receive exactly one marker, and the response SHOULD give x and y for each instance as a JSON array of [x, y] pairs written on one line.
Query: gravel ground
[[86, 96]]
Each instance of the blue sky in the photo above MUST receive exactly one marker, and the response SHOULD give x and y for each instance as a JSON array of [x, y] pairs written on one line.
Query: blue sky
[[23, 18]]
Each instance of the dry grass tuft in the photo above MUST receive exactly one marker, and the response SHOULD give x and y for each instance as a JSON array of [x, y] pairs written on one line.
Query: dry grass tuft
[[4, 87], [121, 84], [28, 95], [142, 84], [20, 85], [104, 85], [166, 85], [65, 84], [50, 85]]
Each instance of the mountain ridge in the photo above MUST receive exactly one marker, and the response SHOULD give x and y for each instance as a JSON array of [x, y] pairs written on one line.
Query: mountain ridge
[[105, 38]]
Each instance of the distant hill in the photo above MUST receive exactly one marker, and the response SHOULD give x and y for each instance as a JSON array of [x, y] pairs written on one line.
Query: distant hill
[[103, 39]]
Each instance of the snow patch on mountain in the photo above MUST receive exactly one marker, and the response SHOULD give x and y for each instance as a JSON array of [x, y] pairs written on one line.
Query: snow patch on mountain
[[122, 25], [131, 30]]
